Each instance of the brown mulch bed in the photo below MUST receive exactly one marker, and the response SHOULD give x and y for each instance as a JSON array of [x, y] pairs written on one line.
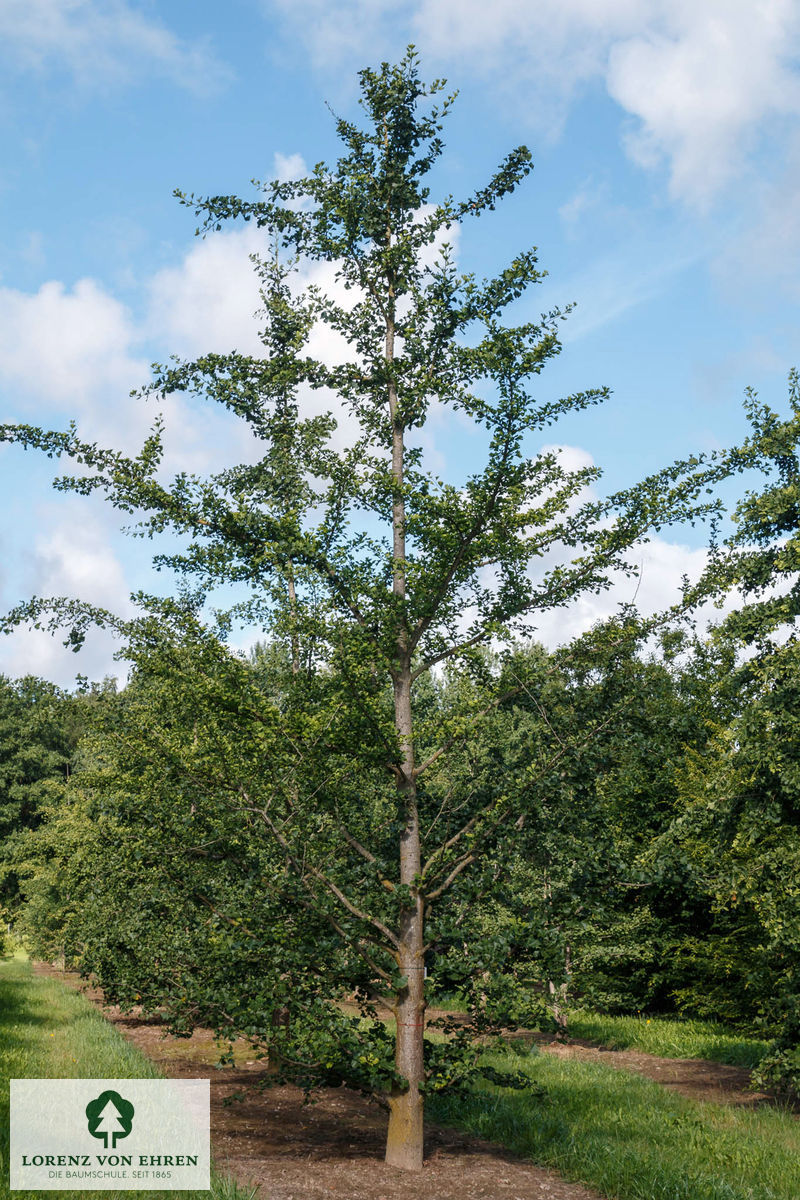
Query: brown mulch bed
[[332, 1149]]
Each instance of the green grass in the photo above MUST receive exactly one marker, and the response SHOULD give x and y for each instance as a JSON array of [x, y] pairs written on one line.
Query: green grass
[[49, 1031], [668, 1038], [665, 1036], [630, 1138]]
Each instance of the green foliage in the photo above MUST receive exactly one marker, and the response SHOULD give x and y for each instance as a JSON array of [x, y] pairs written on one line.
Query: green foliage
[[35, 747], [580, 905], [738, 825], [40, 729]]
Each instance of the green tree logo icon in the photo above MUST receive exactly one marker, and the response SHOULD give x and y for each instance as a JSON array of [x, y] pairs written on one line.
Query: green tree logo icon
[[109, 1116]]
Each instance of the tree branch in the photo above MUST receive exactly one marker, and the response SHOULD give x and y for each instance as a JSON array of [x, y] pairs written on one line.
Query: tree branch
[[315, 872], [430, 662], [365, 853], [466, 541], [445, 746], [466, 861]]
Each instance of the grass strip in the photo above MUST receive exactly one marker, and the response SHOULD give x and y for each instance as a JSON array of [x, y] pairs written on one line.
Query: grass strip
[[668, 1038], [48, 1031], [629, 1137]]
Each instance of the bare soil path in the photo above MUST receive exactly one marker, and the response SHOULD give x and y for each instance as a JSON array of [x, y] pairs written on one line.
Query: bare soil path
[[333, 1149]]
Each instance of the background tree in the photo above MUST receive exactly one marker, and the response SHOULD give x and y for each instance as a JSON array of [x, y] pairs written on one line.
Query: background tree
[[583, 904], [36, 743], [40, 729], [737, 829], [374, 569]]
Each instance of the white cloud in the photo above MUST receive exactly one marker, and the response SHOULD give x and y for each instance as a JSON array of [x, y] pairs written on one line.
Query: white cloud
[[206, 303], [289, 166], [572, 459], [545, 52], [75, 353], [72, 555], [618, 281], [74, 350], [766, 246], [583, 200], [701, 80], [36, 652], [333, 32], [653, 587], [32, 250], [661, 566], [63, 346], [102, 42], [701, 83]]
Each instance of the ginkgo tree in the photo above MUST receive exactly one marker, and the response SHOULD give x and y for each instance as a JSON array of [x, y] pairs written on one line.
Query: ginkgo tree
[[371, 569]]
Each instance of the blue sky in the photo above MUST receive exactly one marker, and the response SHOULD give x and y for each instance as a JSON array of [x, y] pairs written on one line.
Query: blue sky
[[666, 143]]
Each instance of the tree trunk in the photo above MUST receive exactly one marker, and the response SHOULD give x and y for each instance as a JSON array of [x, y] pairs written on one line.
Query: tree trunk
[[559, 994], [404, 1139], [279, 1023], [295, 641]]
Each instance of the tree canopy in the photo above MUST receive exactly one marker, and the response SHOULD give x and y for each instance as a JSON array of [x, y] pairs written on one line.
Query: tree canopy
[[313, 796]]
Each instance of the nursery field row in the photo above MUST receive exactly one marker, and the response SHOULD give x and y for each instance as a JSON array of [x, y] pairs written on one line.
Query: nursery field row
[[622, 1135]]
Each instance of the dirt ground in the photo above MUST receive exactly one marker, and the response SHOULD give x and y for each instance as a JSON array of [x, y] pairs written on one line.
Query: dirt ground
[[333, 1149]]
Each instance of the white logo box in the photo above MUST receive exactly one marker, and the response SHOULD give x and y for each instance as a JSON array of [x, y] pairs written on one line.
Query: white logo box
[[110, 1134]]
